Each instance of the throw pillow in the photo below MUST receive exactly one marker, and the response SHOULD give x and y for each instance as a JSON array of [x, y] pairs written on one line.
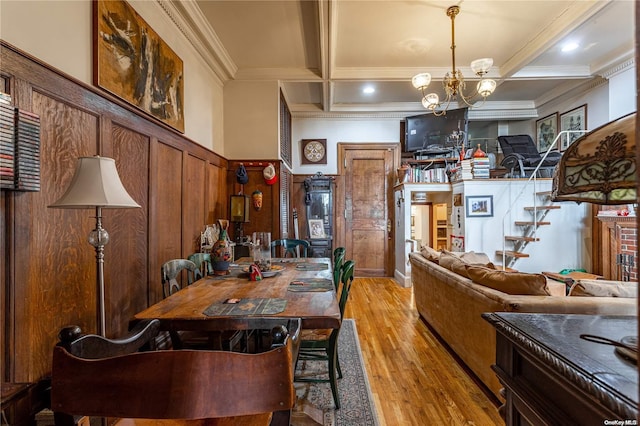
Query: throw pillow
[[430, 253], [509, 282], [604, 288], [475, 258], [453, 263]]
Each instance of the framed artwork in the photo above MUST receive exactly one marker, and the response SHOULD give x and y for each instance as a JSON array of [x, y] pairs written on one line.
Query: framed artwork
[[316, 228], [575, 119], [546, 131], [314, 151], [479, 205], [132, 62]]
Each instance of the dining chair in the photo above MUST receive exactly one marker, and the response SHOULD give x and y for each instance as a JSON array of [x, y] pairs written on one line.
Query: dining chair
[[203, 263], [171, 269], [194, 339], [322, 345], [183, 387], [338, 260], [289, 247]]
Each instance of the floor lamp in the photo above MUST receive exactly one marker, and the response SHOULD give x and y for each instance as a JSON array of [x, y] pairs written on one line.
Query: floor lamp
[[96, 184]]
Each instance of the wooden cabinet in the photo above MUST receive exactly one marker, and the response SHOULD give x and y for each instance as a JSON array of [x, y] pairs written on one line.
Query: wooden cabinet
[[553, 377], [439, 226]]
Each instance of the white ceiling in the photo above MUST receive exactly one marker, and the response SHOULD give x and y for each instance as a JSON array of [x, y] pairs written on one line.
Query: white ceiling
[[324, 52]]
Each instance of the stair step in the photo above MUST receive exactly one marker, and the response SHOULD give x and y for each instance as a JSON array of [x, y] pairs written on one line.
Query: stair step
[[527, 239], [542, 208], [525, 223], [511, 254]]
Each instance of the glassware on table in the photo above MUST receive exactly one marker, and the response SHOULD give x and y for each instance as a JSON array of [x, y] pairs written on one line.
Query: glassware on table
[[261, 250]]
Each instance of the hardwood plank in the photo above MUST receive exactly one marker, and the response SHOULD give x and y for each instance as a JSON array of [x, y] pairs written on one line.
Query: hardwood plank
[[414, 379]]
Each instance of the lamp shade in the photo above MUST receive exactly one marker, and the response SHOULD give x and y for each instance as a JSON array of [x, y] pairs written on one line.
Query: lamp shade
[[600, 167], [421, 81], [481, 66], [95, 184], [486, 86]]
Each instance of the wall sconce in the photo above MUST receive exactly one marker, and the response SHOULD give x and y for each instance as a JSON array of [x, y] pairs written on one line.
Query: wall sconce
[[239, 214]]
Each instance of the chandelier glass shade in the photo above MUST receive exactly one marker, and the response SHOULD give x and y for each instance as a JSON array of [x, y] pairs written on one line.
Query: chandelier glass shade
[[453, 82]]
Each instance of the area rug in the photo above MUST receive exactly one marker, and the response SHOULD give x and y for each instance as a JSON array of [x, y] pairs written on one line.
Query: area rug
[[315, 402]]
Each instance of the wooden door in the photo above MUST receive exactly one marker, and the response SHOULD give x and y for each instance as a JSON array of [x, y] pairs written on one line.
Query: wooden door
[[364, 206]]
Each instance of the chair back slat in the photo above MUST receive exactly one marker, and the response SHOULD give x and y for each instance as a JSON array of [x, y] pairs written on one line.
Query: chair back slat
[[347, 281], [338, 260], [203, 263], [92, 346]]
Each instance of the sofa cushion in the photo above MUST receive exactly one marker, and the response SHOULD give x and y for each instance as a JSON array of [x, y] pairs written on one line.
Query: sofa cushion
[[430, 253], [521, 283], [604, 288]]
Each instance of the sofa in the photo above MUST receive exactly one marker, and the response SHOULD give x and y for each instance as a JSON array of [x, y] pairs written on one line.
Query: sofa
[[452, 304]]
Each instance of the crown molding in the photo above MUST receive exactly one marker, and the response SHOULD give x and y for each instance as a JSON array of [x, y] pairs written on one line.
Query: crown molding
[[285, 74], [521, 110], [188, 18], [617, 69], [565, 71], [570, 89]]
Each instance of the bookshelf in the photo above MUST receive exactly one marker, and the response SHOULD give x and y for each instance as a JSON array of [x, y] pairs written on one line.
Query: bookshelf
[[439, 235], [428, 170]]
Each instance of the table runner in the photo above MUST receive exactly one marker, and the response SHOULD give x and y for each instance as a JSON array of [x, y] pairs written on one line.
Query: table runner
[[259, 306], [312, 266], [311, 284]]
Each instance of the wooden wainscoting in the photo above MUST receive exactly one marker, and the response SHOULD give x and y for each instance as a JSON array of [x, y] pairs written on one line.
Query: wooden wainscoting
[[49, 273]]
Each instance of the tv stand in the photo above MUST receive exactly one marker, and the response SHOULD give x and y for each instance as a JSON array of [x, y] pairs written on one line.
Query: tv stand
[[429, 154]]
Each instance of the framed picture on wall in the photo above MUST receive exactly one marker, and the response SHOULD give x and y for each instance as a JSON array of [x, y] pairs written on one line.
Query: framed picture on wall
[[573, 120], [479, 205], [316, 228], [546, 131], [132, 62]]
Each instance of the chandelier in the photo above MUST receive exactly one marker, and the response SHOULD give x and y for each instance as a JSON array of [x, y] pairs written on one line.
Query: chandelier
[[454, 83]]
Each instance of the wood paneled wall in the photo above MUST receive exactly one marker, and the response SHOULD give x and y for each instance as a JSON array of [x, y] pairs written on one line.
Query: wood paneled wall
[[266, 219], [48, 271]]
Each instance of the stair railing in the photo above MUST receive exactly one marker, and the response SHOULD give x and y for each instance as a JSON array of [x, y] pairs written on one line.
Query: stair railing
[[533, 178]]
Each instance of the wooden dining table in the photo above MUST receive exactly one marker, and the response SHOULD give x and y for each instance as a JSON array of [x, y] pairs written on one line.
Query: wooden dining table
[[204, 305], [298, 288]]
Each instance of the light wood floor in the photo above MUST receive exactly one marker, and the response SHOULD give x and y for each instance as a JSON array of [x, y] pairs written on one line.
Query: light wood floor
[[414, 379]]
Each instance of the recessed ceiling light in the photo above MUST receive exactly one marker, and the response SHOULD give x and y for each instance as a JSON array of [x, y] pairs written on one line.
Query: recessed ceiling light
[[569, 47], [368, 90]]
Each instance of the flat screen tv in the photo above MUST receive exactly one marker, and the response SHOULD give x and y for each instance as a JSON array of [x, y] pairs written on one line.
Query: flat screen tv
[[431, 134]]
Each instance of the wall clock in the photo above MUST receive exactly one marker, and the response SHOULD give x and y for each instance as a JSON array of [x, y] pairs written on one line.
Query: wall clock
[[314, 151]]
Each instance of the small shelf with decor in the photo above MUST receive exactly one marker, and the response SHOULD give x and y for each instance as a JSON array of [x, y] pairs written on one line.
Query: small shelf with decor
[[432, 170]]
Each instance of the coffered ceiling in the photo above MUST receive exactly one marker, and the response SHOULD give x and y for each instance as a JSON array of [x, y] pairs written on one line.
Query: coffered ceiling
[[324, 52]]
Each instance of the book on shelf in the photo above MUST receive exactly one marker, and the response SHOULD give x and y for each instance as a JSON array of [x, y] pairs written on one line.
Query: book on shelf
[[419, 174]]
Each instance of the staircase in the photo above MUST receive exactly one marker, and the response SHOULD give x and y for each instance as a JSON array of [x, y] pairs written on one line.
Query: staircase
[[537, 214], [528, 230]]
